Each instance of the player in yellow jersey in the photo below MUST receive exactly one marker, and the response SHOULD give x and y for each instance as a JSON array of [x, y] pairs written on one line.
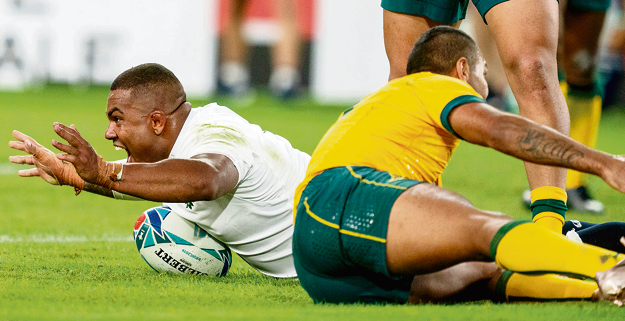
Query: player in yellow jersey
[[371, 225]]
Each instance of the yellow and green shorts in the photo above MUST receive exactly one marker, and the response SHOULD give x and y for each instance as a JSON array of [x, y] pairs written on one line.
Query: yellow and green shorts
[[339, 241]]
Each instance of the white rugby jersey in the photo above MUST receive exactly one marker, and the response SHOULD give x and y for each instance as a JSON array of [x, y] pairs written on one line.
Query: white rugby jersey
[[255, 219]]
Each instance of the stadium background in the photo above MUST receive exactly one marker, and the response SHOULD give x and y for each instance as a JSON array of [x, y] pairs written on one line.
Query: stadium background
[[64, 257], [86, 42], [93, 41]]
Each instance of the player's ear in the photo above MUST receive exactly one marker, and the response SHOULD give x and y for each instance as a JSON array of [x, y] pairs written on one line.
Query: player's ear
[[158, 119], [463, 69]]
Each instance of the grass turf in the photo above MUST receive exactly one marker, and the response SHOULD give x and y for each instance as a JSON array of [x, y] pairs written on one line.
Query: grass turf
[[64, 257]]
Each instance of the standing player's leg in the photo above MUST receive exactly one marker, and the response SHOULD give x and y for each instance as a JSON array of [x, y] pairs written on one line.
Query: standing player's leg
[[285, 54], [234, 76], [526, 33], [401, 32], [580, 38]]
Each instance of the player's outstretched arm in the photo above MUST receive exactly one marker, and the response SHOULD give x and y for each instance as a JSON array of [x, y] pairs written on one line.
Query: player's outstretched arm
[[205, 177], [522, 138], [48, 166]]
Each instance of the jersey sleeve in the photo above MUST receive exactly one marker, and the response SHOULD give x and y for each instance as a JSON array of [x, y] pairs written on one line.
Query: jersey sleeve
[[222, 140], [458, 101], [454, 93]]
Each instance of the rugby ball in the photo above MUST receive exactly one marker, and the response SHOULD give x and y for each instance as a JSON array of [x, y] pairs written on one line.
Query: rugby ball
[[168, 242]]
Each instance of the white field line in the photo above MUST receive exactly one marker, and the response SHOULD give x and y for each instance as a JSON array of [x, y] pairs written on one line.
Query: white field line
[[41, 238], [11, 169]]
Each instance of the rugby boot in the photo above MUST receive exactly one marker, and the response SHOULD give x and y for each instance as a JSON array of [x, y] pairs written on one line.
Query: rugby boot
[[611, 284], [580, 200]]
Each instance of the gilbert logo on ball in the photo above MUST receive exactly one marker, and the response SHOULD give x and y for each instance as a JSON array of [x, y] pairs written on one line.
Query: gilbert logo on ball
[[168, 242]]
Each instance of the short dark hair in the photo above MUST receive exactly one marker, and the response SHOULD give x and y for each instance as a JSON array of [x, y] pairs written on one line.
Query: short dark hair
[[438, 50], [149, 78]]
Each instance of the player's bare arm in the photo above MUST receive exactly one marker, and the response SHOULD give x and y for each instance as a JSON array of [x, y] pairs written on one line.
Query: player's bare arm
[[48, 166], [204, 177], [481, 124]]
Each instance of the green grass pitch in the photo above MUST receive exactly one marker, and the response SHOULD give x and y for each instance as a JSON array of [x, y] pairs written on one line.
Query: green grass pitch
[[66, 257]]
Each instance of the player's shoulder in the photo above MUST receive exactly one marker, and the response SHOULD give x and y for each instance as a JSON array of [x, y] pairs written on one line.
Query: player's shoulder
[[436, 80], [212, 127], [217, 113], [439, 88], [217, 116]]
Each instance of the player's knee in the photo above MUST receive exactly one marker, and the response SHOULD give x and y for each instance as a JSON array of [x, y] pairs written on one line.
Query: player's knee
[[530, 69]]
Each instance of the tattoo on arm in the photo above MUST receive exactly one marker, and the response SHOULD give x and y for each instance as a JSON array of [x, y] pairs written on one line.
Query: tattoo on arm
[[548, 148], [97, 189]]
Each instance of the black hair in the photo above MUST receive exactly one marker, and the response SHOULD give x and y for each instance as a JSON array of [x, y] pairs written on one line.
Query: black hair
[[148, 78], [438, 50]]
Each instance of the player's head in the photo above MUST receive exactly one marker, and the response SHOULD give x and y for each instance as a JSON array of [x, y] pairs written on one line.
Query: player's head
[[146, 105], [440, 49], [149, 82]]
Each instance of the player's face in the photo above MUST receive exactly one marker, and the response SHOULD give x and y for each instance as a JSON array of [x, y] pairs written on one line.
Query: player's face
[[129, 127], [477, 80]]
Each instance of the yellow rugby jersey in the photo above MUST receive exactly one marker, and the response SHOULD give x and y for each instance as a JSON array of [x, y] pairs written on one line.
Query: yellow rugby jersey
[[401, 128]]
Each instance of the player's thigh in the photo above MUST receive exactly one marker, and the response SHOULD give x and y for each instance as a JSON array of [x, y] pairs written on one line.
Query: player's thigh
[[524, 29], [431, 228], [406, 20]]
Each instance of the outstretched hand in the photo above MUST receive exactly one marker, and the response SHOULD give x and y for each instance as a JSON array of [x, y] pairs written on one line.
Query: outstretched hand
[[613, 173], [48, 166], [88, 164], [79, 152]]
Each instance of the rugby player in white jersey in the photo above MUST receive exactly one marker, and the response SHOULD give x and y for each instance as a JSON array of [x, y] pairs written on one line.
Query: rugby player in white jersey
[[208, 164]]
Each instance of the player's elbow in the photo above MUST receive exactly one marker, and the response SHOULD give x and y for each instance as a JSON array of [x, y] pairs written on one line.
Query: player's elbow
[[494, 135], [217, 186], [214, 179], [207, 190], [499, 132]]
